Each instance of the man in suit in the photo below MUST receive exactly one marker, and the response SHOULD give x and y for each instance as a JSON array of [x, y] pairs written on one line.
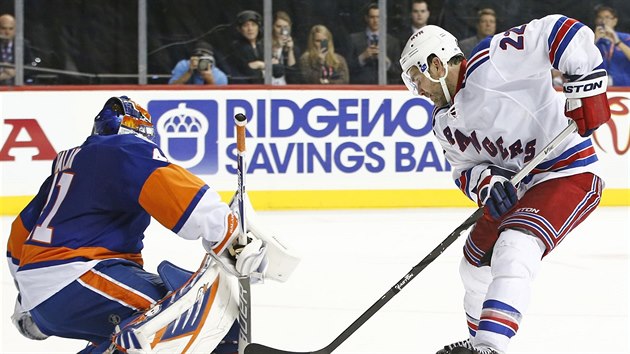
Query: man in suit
[[364, 52], [7, 50], [419, 17]]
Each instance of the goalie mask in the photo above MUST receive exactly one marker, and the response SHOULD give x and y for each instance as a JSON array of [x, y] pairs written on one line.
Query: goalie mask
[[120, 115], [422, 44]]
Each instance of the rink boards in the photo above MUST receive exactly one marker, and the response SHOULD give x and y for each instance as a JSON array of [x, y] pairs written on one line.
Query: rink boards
[[345, 147]]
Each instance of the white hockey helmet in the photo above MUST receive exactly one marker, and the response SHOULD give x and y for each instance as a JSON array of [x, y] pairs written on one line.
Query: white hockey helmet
[[426, 41]]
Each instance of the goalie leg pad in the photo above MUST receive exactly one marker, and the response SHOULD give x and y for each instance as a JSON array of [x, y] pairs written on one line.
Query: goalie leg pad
[[229, 344], [193, 318]]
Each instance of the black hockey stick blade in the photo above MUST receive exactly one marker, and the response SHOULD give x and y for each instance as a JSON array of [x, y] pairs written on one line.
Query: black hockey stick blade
[[256, 348], [428, 259]]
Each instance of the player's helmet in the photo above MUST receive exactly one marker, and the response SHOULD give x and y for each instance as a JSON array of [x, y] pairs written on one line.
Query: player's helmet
[[120, 115], [426, 41]]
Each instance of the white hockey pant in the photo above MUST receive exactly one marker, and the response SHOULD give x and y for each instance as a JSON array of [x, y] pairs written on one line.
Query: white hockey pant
[[515, 262]]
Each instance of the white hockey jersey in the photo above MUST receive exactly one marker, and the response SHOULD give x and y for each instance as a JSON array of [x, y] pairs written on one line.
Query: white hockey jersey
[[506, 111]]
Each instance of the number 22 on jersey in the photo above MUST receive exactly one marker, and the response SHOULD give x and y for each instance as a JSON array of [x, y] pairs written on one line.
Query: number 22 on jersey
[[518, 43]]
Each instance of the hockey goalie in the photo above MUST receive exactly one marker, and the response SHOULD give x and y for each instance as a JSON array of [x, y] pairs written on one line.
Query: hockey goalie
[[75, 250]]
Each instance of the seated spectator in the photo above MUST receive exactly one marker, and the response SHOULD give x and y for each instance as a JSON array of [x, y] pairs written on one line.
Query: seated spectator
[[200, 69], [614, 46], [285, 51], [7, 50], [364, 51], [320, 64], [486, 26]]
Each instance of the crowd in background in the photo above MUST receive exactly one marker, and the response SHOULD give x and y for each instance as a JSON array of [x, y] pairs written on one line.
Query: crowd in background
[[313, 42]]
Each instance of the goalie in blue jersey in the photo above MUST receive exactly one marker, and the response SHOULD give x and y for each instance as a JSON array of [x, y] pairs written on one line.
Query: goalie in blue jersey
[[79, 242]]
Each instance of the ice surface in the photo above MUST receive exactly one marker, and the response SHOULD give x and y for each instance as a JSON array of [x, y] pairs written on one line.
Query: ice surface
[[350, 258]]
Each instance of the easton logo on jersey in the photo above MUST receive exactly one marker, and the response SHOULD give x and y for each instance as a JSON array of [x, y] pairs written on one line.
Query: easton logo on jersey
[[187, 132]]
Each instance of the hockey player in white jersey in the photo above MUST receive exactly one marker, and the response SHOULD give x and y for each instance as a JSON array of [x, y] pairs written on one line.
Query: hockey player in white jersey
[[493, 114]]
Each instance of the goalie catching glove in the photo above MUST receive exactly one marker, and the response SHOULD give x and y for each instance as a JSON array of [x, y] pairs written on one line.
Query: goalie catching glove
[[587, 103], [240, 260]]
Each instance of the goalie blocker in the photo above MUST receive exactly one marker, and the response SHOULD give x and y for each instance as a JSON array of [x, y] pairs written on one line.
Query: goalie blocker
[[201, 307]]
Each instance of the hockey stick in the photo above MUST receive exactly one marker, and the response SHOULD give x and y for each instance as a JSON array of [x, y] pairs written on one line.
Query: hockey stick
[[245, 308], [255, 348]]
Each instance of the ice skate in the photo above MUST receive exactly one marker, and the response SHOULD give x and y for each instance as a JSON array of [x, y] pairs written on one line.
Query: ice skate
[[449, 349]]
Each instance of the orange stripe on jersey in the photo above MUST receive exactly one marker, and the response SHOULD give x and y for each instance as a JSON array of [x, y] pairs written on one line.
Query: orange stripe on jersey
[[115, 291], [232, 225], [18, 235], [34, 254], [167, 193]]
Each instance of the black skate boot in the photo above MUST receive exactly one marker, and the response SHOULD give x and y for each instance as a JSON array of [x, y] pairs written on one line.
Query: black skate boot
[[448, 349], [461, 350], [465, 347]]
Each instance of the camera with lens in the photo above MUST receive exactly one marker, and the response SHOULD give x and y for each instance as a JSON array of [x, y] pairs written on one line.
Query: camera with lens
[[206, 62], [285, 31]]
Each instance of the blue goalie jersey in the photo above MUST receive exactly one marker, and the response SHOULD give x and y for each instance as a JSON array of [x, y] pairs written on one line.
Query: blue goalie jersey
[[96, 205]]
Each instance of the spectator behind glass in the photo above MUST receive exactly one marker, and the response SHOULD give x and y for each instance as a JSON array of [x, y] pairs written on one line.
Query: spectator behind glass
[[419, 18], [200, 69], [364, 52], [285, 51], [486, 26], [614, 46], [7, 50], [320, 64], [248, 49]]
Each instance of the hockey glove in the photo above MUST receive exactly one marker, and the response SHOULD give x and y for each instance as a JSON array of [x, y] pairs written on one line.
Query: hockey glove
[[251, 260], [240, 260], [496, 192], [23, 321], [587, 103]]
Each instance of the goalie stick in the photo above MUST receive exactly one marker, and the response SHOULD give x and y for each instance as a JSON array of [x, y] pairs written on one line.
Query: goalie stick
[[255, 348], [244, 284]]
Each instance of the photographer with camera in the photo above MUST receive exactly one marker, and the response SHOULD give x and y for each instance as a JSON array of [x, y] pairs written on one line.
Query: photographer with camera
[[365, 47], [200, 69]]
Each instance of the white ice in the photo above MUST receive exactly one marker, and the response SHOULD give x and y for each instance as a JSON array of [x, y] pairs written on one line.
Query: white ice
[[351, 258]]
